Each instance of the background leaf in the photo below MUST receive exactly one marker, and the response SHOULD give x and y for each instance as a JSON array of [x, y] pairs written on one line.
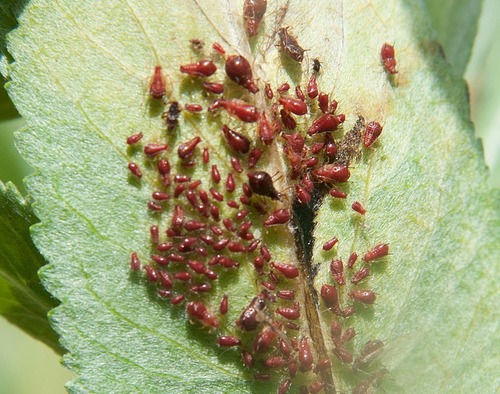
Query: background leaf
[[415, 195], [23, 300], [456, 23]]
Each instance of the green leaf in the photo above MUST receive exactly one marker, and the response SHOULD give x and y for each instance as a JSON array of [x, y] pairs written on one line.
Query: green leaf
[[80, 80], [456, 23], [23, 300]]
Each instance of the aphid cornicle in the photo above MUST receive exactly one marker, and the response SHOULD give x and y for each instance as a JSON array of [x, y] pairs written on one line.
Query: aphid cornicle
[[290, 45]]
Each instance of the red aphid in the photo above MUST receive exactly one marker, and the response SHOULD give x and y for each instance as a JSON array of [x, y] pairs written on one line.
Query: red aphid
[[289, 313], [233, 204], [236, 164], [203, 68], [191, 107], [305, 355], [135, 170], [378, 251], [337, 193], [295, 106], [326, 122], [263, 340], [265, 130], [154, 233], [213, 87], [388, 58], [337, 270], [372, 132], [163, 167], [268, 91], [218, 48], [302, 195], [336, 332], [360, 275], [287, 270], [186, 150], [253, 12], [135, 262], [154, 149], [160, 196], [356, 206], [151, 273], [322, 364], [287, 119], [243, 111], [316, 387], [238, 70], [332, 173], [274, 362], [363, 296], [344, 355], [286, 294], [161, 260], [134, 139], [283, 88], [164, 246], [236, 141], [348, 335], [317, 147], [279, 216], [179, 189], [224, 305], [299, 93], [331, 148], [166, 279], [329, 295], [264, 252], [228, 341], [312, 87], [230, 184], [254, 157], [323, 102], [177, 299], [154, 206], [284, 386], [157, 85], [215, 175], [197, 310], [180, 178], [247, 359], [352, 259], [328, 245]]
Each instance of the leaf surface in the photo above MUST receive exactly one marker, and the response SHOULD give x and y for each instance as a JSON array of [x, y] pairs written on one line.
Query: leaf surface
[[80, 79]]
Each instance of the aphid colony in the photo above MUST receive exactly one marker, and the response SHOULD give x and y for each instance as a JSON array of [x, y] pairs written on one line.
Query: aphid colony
[[212, 221]]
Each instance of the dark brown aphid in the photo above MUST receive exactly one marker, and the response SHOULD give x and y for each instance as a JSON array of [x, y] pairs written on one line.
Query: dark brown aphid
[[261, 183], [378, 251], [253, 12], [253, 314], [236, 141], [135, 170], [203, 68], [157, 85], [372, 132], [316, 65], [356, 205], [238, 70], [371, 383], [290, 45], [388, 58], [186, 150], [227, 341], [171, 117]]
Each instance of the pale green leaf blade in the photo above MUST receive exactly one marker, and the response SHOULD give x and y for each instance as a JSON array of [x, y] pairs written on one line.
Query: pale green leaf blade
[[89, 100], [23, 300]]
